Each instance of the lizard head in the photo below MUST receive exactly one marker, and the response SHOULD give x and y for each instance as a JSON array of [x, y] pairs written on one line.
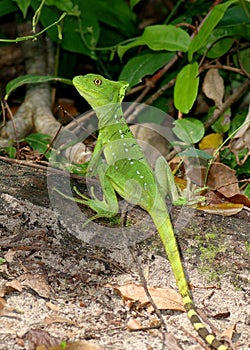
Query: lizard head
[[99, 91]]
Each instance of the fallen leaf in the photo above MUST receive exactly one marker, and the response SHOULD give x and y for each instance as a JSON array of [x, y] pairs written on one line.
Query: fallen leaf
[[15, 285], [2, 303], [57, 319], [240, 199], [133, 325], [52, 306], [164, 298], [225, 209], [222, 179], [38, 337], [36, 282], [78, 345], [229, 332], [9, 287], [9, 256]]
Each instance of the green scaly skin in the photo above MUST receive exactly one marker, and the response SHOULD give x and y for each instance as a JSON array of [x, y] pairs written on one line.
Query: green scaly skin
[[127, 172]]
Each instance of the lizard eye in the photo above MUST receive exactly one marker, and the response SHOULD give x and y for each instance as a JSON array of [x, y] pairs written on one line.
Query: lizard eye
[[98, 82]]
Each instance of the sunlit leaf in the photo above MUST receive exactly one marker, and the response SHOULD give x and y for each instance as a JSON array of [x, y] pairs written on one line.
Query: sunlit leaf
[[160, 37], [31, 79], [189, 130], [139, 66], [209, 24], [186, 87]]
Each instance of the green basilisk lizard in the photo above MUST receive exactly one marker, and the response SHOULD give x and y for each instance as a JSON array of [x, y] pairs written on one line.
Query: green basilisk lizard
[[127, 172]]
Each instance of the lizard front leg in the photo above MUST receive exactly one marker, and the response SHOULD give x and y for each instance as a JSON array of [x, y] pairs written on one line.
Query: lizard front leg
[[108, 206]]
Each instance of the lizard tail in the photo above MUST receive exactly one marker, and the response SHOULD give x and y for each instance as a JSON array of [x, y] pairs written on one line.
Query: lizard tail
[[166, 232]]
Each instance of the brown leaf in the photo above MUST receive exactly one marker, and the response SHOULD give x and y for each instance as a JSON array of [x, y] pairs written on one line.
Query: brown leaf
[[36, 337], [37, 282], [78, 345], [153, 139], [213, 86], [225, 209], [222, 179], [15, 285], [229, 332], [164, 298], [9, 287], [52, 306], [241, 140], [240, 199], [133, 325], [2, 303], [9, 256], [57, 319]]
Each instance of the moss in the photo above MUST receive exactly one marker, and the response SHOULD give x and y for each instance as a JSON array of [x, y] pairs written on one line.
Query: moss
[[247, 245], [209, 250]]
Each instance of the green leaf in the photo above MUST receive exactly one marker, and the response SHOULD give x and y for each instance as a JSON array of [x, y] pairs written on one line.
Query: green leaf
[[247, 191], [63, 5], [189, 130], [160, 37], [10, 150], [222, 124], [133, 3], [209, 24], [186, 87], [244, 56], [23, 5], [31, 79], [196, 153], [38, 142], [80, 32], [2, 261], [116, 14], [140, 66], [218, 49], [6, 7]]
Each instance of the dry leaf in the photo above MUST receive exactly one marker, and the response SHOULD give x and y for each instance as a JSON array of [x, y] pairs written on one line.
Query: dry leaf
[[78, 345], [37, 282], [9, 256], [133, 325], [52, 306], [57, 319], [164, 298], [222, 179], [153, 139], [213, 86], [240, 199], [229, 332], [9, 287], [225, 209], [15, 285], [38, 337], [2, 303], [241, 140]]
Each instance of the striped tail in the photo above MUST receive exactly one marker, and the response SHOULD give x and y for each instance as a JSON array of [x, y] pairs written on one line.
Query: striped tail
[[165, 229]]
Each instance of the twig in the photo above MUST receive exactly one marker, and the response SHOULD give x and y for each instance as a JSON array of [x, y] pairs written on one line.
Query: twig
[[150, 83], [149, 101]]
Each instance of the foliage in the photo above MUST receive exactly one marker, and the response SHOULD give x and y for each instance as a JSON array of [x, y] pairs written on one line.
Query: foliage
[[108, 34]]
